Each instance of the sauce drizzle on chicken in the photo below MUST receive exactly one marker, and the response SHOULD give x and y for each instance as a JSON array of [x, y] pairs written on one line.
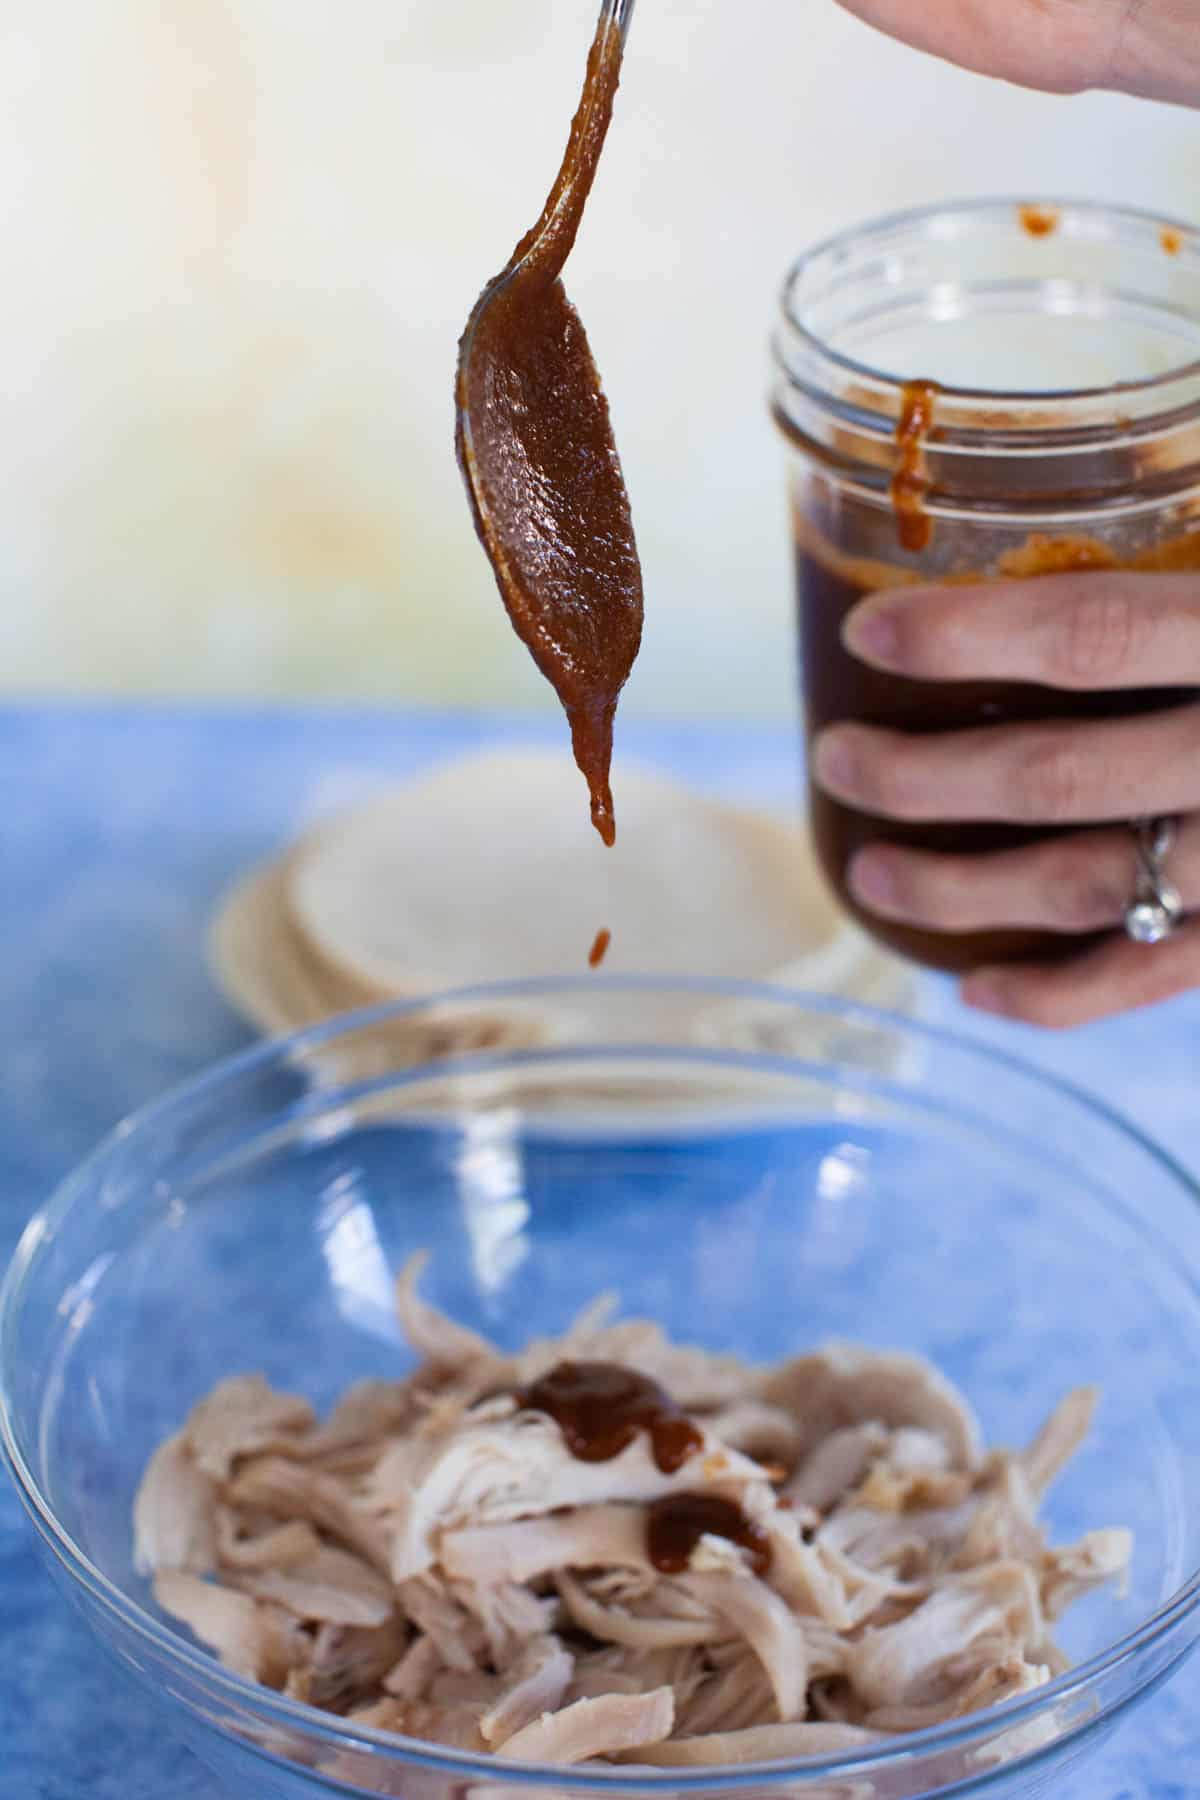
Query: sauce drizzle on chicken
[[601, 1407], [676, 1524]]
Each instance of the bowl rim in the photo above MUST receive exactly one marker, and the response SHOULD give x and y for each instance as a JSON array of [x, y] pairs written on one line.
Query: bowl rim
[[894, 1753]]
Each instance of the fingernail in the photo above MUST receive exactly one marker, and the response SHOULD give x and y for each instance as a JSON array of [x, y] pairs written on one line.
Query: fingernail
[[872, 632], [835, 761], [986, 993], [873, 881]]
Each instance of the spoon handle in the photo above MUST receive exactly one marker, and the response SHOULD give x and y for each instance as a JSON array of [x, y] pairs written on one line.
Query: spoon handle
[[620, 12]]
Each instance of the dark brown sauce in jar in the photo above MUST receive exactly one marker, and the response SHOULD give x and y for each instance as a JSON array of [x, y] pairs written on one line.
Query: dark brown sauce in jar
[[910, 483], [674, 1527], [601, 1407], [837, 687]]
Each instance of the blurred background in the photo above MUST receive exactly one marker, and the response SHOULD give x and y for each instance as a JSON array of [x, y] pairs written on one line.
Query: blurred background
[[242, 237]]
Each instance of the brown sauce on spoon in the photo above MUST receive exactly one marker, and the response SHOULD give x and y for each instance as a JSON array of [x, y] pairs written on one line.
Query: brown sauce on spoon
[[675, 1525], [601, 1407], [541, 467]]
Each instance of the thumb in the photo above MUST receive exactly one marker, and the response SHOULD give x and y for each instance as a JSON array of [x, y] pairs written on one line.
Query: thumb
[[1059, 46]]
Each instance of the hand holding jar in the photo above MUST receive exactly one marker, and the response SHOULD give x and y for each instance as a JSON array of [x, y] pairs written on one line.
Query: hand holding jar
[[998, 586], [1103, 632]]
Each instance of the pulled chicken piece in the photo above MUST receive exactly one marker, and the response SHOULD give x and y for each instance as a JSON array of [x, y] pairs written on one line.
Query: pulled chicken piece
[[607, 1726]]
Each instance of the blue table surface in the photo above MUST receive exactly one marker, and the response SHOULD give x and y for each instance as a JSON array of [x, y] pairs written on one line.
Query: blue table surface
[[121, 827]]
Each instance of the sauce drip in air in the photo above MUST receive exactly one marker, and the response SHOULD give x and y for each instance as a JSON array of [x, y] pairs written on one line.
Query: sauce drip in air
[[910, 483], [1171, 240], [540, 464], [600, 948], [601, 1407], [675, 1525]]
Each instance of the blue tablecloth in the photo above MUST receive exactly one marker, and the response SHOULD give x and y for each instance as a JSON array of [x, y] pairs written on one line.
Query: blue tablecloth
[[120, 827]]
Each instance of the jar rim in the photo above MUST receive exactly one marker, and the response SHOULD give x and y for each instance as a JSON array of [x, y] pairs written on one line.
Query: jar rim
[[799, 347]]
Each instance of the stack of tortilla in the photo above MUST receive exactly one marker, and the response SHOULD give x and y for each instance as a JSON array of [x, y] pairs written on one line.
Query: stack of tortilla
[[486, 870]]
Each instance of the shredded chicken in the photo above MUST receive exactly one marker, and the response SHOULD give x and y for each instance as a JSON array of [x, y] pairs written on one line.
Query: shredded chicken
[[279, 1547], [175, 1517], [537, 1685], [252, 1638], [1060, 1437], [646, 1616], [607, 1726], [835, 1465], [347, 1661], [348, 1441], [287, 1490], [332, 1585], [1066, 1575], [845, 1385], [760, 1743], [439, 1341], [600, 1537], [241, 1416], [806, 1560], [753, 1611], [921, 1657]]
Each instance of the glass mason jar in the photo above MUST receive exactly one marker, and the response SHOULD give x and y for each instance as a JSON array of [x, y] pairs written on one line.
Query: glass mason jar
[[983, 389]]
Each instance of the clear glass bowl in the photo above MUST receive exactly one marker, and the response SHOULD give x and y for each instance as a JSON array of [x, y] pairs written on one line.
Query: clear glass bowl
[[757, 1170]]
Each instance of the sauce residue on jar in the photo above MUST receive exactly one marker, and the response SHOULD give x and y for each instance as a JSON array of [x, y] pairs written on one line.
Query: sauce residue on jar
[[601, 1407], [599, 949], [910, 483], [541, 468], [1171, 240], [675, 1525], [1039, 221], [1041, 554]]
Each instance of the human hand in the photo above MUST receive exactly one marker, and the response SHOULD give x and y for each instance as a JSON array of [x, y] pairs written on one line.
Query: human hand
[[1147, 47], [1073, 632]]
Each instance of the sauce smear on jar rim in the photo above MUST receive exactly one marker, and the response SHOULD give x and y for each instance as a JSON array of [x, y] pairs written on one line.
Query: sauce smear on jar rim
[[910, 483], [1039, 221]]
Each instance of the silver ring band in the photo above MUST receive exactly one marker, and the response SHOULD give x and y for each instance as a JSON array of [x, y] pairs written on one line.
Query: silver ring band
[[1156, 907]]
